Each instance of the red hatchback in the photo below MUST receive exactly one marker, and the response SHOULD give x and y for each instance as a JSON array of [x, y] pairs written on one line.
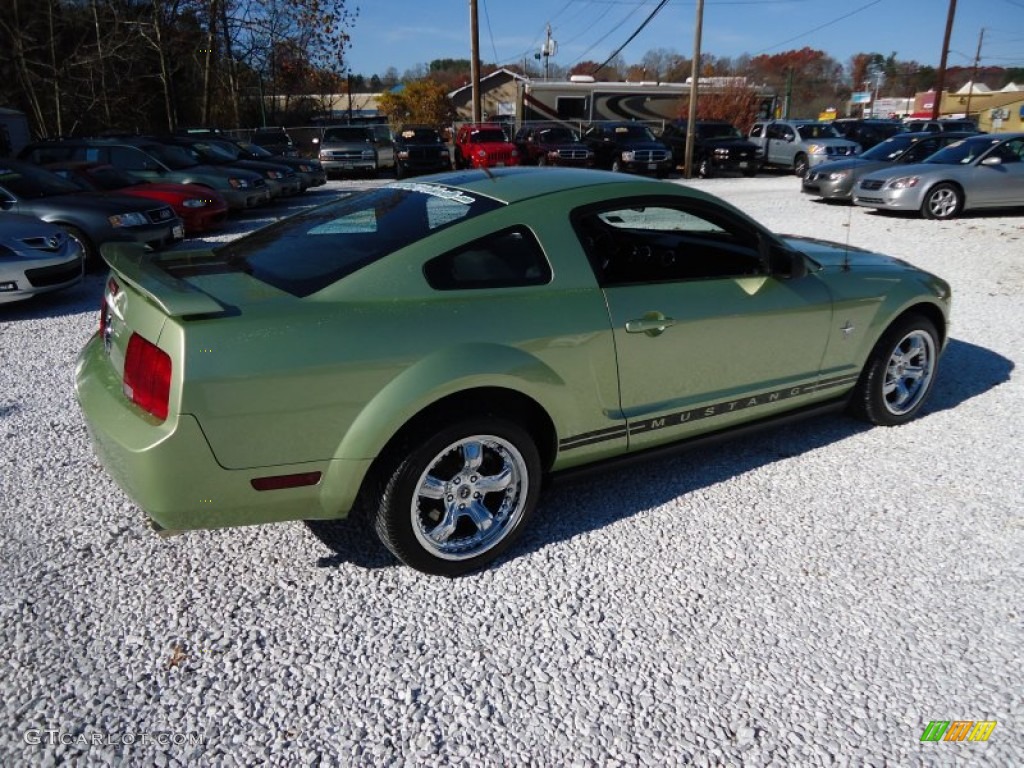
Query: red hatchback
[[199, 207], [483, 145]]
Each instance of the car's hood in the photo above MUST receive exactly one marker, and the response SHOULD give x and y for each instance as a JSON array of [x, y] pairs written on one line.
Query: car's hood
[[85, 202], [924, 170], [830, 254], [15, 227], [852, 163]]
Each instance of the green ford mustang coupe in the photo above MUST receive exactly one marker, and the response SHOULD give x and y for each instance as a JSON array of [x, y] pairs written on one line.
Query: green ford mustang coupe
[[430, 351]]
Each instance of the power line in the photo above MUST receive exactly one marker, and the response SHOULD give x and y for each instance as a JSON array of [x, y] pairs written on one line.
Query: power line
[[640, 29], [822, 26]]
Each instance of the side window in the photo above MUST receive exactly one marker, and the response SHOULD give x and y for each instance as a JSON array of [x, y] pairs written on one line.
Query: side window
[[667, 243], [921, 150], [507, 259], [757, 131], [129, 159], [776, 131]]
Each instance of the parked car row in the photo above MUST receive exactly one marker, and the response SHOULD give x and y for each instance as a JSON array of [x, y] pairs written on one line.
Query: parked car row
[[938, 175]]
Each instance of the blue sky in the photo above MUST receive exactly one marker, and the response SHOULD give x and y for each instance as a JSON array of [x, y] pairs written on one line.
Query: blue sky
[[406, 33]]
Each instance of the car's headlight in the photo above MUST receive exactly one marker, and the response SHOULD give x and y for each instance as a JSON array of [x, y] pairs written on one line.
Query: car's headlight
[[306, 168], [817, 149], [127, 220], [239, 183], [903, 182], [629, 156], [721, 152], [275, 175], [195, 202], [324, 155], [481, 153], [838, 175], [403, 154]]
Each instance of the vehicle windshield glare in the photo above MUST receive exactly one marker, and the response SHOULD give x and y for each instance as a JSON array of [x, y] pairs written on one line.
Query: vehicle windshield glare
[[962, 152], [718, 131], [29, 183], [890, 149], [486, 135], [340, 238], [346, 133], [424, 135], [557, 135], [175, 158], [818, 131], [211, 153], [254, 149]]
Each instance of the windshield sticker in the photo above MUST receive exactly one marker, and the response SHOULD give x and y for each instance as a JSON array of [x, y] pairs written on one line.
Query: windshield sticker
[[435, 190]]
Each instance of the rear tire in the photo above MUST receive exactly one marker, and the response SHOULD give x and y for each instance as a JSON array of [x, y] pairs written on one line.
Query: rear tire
[[899, 373], [452, 500]]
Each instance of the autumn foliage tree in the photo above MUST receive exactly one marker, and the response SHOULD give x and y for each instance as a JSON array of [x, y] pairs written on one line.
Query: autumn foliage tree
[[423, 101]]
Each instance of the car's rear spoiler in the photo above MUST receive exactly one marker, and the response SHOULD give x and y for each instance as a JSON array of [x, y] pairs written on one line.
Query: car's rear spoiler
[[141, 268]]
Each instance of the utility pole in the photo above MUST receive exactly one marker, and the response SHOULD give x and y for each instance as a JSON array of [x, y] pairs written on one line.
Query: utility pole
[[691, 115], [474, 58], [940, 79], [974, 74]]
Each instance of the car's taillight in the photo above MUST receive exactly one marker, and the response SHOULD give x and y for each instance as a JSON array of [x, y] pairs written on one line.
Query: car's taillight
[[147, 376]]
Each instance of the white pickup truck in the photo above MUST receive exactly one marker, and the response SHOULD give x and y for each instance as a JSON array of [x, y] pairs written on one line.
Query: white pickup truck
[[799, 144]]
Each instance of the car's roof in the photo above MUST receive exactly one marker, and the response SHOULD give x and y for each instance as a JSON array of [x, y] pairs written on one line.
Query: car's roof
[[511, 185]]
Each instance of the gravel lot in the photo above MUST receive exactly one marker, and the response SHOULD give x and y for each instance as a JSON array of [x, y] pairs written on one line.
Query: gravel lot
[[812, 597]]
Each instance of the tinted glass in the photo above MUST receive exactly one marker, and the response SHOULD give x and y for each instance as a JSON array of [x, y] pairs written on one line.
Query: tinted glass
[[346, 133], [27, 182], [175, 158], [888, 150], [962, 152], [308, 252], [818, 131]]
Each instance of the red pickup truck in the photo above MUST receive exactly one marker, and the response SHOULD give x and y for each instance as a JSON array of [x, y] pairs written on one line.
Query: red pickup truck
[[483, 145]]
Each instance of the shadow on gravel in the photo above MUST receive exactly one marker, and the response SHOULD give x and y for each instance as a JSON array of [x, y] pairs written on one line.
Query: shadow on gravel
[[572, 507], [84, 297], [575, 506]]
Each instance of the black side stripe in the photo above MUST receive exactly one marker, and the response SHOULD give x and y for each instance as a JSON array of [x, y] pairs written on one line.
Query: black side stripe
[[704, 412]]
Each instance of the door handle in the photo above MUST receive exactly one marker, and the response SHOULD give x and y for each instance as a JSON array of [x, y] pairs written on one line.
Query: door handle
[[652, 323]]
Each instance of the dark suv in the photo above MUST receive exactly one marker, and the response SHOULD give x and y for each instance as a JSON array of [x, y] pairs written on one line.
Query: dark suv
[[420, 149], [717, 146], [552, 144], [868, 131], [628, 147], [276, 141]]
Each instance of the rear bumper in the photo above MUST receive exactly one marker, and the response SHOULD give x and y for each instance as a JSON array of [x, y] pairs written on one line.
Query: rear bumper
[[170, 472]]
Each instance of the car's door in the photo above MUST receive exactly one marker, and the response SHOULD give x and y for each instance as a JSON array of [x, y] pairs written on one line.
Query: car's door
[[780, 141], [1003, 183], [705, 335]]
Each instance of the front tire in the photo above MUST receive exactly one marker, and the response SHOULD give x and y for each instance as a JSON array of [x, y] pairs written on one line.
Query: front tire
[[800, 165], [459, 498], [943, 201], [704, 168], [899, 373], [617, 166], [90, 254]]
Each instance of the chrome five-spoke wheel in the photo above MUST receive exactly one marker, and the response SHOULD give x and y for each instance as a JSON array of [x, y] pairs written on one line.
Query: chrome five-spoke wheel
[[899, 372], [457, 500], [471, 496]]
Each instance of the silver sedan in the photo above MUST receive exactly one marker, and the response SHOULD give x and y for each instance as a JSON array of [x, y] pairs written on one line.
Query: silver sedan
[[36, 257], [836, 180], [984, 171]]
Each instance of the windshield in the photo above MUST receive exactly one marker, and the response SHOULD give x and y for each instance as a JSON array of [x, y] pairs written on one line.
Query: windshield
[[346, 134], [818, 131], [175, 158], [209, 153], [718, 131], [27, 183], [254, 149], [635, 132], [225, 147], [486, 135], [888, 150], [962, 152], [557, 135], [340, 238], [421, 135]]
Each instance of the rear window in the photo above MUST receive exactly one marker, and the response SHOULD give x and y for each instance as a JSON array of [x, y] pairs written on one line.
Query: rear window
[[306, 253]]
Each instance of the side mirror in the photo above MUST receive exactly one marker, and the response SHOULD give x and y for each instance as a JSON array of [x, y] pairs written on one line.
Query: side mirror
[[994, 160], [782, 262]]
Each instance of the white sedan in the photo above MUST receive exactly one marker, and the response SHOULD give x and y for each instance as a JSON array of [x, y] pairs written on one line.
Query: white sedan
[[984, 171]]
